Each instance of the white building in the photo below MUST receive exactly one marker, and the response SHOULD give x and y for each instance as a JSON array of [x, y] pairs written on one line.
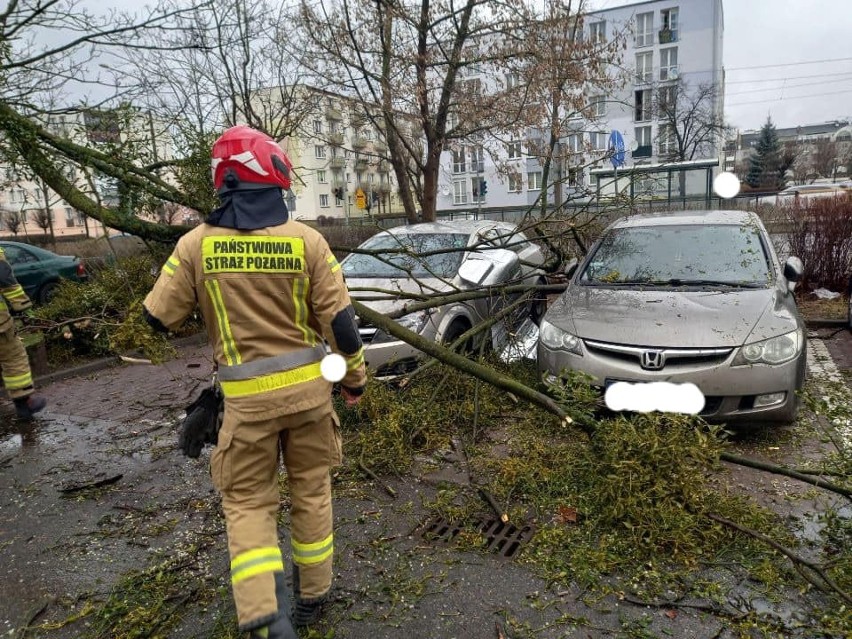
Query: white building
[[669, 42]]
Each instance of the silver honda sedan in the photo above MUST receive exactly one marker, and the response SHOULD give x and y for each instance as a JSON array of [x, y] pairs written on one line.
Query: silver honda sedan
[[696, 297], [430, 259]]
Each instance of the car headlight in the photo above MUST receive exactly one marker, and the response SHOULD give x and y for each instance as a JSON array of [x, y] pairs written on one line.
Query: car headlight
[[775, 350], [415, 322], [555, 338]]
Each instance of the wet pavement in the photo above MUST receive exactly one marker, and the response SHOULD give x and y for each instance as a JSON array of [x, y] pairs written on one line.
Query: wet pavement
[[96, 489]]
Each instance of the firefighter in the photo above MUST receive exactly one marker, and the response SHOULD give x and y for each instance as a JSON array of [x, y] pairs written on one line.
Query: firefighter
[[271, 293], [17, 376]]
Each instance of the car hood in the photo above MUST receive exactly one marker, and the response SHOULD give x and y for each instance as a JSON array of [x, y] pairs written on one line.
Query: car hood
[[672, 318], [421, 286]]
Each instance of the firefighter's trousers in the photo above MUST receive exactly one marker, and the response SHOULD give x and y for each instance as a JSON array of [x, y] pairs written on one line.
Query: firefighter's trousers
[[15, 365], [244, 467]]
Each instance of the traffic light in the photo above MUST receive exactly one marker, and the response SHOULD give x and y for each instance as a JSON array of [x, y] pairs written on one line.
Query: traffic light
[[483, 187]]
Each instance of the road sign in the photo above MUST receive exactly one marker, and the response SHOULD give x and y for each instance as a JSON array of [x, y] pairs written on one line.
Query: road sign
[[360, 199]]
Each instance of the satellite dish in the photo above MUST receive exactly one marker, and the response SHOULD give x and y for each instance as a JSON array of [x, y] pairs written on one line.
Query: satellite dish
[[445, 190], [673, 73], [634, 146]]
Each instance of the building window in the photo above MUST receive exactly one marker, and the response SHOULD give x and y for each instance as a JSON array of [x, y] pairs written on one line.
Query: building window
[[668, 32], [644, 66], [575, 176], [575, 142], [476, 159], [534, 180], [321, 177], [452, 121], [667, 99], [515, 150], [317, 126], [70, 217], [642, 106], [460, 192], [324, 200], [319, 152], [597, 31], [597, 106], [598, 141], [645, 29], [516, 183], [668, 64], [474, 188], [459, 165], [667, 145], [643, 142]]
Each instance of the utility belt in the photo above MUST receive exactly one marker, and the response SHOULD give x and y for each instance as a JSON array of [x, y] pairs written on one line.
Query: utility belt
[[271, 373]]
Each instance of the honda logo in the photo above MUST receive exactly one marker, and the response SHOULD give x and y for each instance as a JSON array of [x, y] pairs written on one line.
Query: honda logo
[[652, 360]]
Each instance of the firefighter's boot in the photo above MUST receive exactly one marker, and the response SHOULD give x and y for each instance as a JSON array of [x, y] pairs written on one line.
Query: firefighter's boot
[[26, 407], [282, 627], [308, 610]]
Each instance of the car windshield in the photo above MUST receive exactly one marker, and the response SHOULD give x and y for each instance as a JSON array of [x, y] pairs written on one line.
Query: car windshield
[[408, 263], [680, 255]]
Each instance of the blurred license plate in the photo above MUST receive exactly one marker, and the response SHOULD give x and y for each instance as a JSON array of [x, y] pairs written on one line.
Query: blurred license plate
[[609, 381]]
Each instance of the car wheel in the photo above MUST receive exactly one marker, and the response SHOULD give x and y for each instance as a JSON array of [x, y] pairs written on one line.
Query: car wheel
[[47, 292], [538, 305], [456, 330]]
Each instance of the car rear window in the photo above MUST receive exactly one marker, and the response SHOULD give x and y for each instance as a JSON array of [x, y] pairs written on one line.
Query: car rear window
[[683, 254], [401, 256]]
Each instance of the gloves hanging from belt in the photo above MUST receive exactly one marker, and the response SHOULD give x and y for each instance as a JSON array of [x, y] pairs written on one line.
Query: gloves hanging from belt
[[201, 424]]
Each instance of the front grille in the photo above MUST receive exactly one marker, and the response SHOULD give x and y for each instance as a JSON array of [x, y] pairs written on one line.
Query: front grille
[[675, 358]]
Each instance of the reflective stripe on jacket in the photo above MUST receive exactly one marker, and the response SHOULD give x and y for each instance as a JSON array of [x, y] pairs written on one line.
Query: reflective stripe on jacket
[[12, 296], [268, 298]]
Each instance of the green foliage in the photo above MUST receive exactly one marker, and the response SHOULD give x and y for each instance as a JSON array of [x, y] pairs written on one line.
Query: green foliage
[[193, 173], [104, 315], [765, 164]]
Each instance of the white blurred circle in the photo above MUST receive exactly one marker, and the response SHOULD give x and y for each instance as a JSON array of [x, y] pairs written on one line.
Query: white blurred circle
[[333, 367], [726, 185]]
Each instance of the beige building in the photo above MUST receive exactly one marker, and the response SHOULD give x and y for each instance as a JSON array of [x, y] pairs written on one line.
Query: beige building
[[340, 161]]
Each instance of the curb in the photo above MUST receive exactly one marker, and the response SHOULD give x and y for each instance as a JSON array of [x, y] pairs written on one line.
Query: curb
[[109, 362], [827, 323]]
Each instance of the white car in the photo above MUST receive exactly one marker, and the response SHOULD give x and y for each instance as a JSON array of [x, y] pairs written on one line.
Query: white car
[[432, 259]]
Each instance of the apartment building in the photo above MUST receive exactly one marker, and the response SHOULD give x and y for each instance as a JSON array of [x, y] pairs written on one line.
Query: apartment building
[[30, 208], [340, 162], [669, 43]]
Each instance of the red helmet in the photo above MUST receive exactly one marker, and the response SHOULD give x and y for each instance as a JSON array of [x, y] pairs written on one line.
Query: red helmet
[[243, 154]]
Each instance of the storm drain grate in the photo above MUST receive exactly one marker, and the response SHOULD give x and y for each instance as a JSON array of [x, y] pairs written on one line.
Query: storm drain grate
[[501, 538]]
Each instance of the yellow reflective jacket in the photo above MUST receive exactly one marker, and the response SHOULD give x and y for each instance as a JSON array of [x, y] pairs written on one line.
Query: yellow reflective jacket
[[12, 296], [268, 295]]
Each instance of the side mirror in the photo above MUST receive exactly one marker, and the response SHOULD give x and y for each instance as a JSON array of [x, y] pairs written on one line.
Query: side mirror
[[570, 267], [793, 271], [490, 266]]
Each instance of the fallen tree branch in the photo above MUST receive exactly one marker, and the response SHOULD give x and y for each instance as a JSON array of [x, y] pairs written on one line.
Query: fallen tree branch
[[465, 365], [390, 491], [826, 584], [780, 470], [96, 484]]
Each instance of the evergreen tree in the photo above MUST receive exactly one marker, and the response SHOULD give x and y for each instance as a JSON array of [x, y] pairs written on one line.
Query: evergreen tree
[[765, 167]]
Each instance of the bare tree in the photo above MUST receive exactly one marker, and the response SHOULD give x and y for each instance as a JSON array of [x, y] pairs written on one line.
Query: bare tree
[[824, 159], [43, 219], [12, 221], [421, 70]]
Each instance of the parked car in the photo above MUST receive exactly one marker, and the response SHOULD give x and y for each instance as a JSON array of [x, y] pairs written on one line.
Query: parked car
[[696, 297], [456, 256], [39, 271]]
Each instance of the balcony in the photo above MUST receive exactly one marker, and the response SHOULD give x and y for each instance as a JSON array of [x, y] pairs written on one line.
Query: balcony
[[336, 138], [644, 151], [338, 183], [383, 187], [359, 142], [380, 146], [337, 163], [333, 114], [383, 167], [667, 36], [361, 164]]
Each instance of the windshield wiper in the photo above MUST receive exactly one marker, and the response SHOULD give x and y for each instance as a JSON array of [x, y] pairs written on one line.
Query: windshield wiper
[[675, 281]]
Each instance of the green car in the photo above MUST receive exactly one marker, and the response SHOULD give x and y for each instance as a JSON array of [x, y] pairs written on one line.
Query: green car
[[38, 270]]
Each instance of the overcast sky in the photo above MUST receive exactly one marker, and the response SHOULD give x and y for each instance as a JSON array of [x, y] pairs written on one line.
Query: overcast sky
[[789, 59]]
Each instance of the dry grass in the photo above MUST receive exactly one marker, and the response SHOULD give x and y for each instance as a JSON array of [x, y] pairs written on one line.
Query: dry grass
[[813, 308]]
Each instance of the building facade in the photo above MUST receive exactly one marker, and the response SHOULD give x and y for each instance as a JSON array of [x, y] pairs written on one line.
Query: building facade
[[669, 44]]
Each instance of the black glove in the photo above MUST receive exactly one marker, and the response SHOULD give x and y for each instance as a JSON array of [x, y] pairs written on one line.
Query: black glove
[[201, 424]]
